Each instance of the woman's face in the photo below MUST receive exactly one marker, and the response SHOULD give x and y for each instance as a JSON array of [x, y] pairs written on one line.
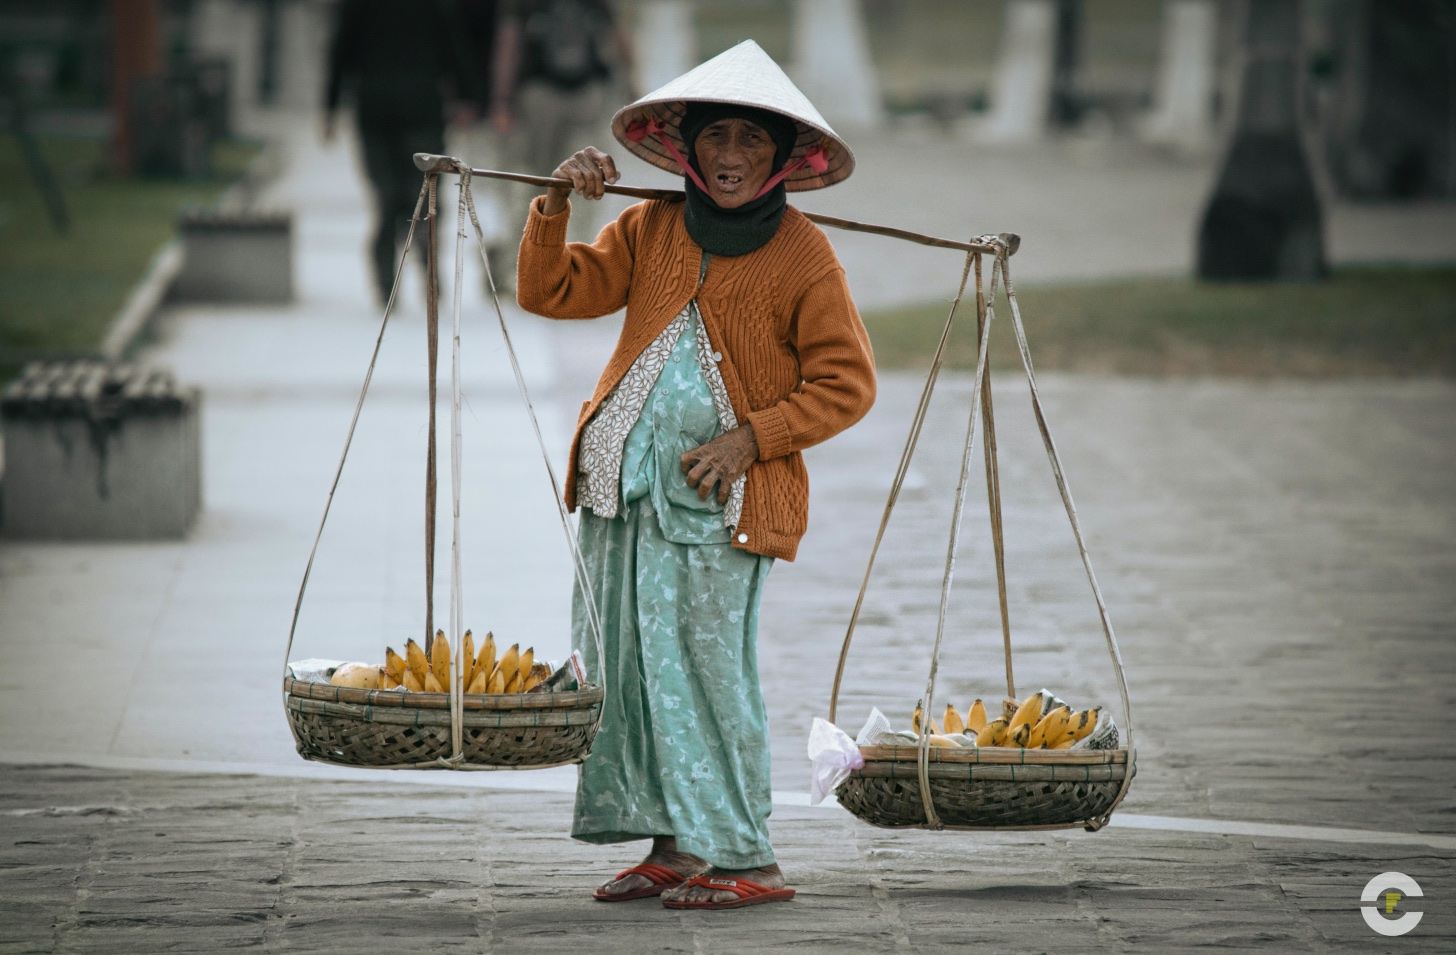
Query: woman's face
[[736, 159]]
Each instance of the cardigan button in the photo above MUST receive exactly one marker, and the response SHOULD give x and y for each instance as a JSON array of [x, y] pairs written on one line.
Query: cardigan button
[[717, 356], [743, 538]]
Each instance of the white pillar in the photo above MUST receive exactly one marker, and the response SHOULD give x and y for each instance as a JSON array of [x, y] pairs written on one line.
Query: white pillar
[[831, 61], [665, 42], [304, 34], [1021, 92], [229, 29], [1187, 75]]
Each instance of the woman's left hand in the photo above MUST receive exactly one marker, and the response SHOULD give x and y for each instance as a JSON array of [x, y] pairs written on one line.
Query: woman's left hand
[[721, 461]]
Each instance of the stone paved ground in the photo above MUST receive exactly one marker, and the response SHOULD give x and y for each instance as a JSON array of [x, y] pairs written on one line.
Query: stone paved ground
[[103, 861], [1277, 558]]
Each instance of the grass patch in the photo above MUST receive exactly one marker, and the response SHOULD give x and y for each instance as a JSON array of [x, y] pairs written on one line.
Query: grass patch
[[59, 292], [1366, 321]]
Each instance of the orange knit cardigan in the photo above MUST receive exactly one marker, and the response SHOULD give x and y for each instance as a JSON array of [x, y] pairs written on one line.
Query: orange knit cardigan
[[795, 357]]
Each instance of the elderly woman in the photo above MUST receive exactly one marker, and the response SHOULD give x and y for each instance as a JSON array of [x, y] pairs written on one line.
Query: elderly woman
[[741, 347]]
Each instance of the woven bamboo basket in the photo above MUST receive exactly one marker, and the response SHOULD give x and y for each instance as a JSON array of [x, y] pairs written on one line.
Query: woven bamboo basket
[[986, 788], [384, 728], [389, 729], [920, 786]]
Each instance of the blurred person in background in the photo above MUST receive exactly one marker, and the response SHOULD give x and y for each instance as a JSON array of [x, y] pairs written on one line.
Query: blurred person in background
[[402, 62], [555, 64]]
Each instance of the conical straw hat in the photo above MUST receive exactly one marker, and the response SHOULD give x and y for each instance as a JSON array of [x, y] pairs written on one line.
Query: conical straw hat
[[748, 76]]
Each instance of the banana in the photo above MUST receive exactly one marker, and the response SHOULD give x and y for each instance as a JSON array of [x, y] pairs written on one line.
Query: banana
[[412, 682], [394, 663], [1028, 713], [944, 742], [467, 659], [539, 672], [496, 683], [992, 734], [524, 664], [415, 660], [509, 662], [386, 682], [440, 659], [432, 683], [1019, 736], [1059, 729], [359, 676], [485, 659], [1064, 744], [915, 721], [1084, 723], [953, 721], [515, 685], [1049, 727], [976, 717], [477, 683]]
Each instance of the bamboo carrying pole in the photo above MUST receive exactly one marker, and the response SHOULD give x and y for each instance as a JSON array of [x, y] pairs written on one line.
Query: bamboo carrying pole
[[431, 163]]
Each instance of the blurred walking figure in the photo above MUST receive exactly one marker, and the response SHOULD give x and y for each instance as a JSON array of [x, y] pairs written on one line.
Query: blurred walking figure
[[555, 62], [403, 62]]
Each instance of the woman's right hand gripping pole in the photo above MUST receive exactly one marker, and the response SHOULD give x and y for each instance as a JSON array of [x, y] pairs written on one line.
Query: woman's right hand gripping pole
[[590, 170]]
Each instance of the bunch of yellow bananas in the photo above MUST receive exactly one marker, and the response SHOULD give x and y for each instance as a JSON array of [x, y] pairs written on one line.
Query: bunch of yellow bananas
[[515, 672], [1041, 721]]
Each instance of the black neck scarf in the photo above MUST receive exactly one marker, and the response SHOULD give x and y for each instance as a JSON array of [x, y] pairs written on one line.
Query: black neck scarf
[[738, 231]]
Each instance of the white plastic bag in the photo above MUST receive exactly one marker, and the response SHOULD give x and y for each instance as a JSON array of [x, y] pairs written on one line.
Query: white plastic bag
[[833, 755]]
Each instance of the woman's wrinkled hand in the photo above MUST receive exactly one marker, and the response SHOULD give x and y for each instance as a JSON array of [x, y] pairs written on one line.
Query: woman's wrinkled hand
[[590, 170], [721, 461]]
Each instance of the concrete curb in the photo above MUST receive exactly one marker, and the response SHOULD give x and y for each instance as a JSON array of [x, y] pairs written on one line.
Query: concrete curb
[[151, 291], [143, 301]]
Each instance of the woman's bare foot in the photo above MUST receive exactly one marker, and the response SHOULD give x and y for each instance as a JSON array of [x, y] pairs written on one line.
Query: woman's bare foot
[[770, 876], [664, 853]]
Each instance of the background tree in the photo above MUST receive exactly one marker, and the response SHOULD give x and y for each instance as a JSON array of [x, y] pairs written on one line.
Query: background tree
[[1263, 220]]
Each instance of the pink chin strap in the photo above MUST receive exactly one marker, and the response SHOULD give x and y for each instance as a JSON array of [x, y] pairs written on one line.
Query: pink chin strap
[[814, 157]]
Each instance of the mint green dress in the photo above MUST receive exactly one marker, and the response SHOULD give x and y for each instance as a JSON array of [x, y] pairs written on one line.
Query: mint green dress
[[683, 747]]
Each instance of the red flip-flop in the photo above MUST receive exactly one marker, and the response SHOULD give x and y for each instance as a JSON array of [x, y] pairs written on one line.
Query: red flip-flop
[[661, 877], [749, 893]]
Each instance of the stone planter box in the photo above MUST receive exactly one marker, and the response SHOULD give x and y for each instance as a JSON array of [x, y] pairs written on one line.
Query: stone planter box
[[235, 257], [97, 451]]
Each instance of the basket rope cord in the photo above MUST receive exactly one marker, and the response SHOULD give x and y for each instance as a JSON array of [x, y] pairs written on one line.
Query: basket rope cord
[[1003, 263], [980, 403], [354, 421], [432, 359], [923, 748], [428, 201], [900, 472], [583, 579], [993, 488], [457, 626]]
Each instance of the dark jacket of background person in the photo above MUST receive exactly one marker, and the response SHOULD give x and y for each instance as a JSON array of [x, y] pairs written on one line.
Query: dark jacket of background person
[[564, 42], [401, 61]]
